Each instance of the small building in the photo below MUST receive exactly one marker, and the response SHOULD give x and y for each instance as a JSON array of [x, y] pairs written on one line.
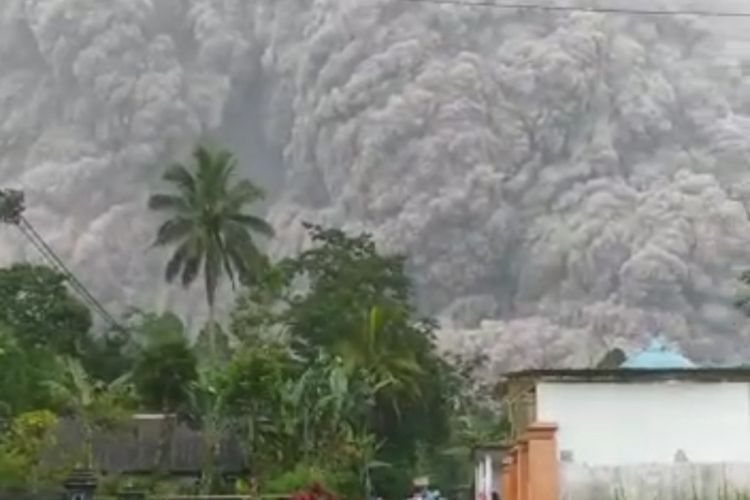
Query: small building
[[657, 427]]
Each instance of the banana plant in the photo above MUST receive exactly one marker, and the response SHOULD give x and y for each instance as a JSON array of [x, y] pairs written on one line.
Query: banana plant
[[379, 349], [93, 403], [207, 406]]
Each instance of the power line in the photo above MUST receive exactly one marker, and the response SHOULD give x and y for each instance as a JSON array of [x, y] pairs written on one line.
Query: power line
[[42, 246], [56, 262], [12, 213], [571, 8]]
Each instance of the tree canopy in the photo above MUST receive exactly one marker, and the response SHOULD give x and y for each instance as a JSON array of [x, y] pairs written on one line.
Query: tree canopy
[[40, 310], [331, 373]]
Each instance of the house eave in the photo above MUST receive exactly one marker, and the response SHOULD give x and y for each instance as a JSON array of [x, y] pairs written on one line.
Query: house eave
[[633, 375]]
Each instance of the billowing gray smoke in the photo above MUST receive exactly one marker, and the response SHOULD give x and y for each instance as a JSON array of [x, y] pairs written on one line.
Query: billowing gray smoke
[[580, 179]]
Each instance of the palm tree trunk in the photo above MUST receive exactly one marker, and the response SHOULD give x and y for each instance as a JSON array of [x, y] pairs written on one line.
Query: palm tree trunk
[[211, 438], [163, 457], [211, 330]]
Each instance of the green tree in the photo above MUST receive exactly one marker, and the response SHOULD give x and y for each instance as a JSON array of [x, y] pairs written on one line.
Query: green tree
[[115, 352], [357, 304], [41, 312], [208, 226], [254, 385], [368, 381], [260, 312], [108, 356], [164, 371], [23, 372], [345, 275]]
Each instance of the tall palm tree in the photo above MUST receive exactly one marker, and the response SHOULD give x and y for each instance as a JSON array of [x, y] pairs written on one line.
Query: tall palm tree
[[208, 226]]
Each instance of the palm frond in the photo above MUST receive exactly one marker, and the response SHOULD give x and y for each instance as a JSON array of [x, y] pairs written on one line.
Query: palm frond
[[121, 381], [168, 202], [192, 265], [203, 159], [244, 193], [226, 262], [181, 177], [254, 223], [175, 263], [173, 230], [297, 391], [408, 365], [76, 390], [240, 246], [382, 384], [241, 256], [225, 163]]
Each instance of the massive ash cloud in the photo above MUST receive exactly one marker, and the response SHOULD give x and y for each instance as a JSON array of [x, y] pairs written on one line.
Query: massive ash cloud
[[579, 180]]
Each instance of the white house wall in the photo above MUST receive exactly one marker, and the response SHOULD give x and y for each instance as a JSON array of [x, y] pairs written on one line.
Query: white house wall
[[655, 481], [603, 424]]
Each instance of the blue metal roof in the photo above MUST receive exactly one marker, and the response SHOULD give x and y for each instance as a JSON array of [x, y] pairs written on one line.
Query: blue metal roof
[[657, 356]]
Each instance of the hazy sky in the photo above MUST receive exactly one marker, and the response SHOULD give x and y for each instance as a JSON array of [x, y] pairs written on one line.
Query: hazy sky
[[568, 176]]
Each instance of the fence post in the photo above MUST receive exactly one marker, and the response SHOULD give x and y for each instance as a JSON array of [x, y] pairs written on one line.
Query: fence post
[[80, 485]]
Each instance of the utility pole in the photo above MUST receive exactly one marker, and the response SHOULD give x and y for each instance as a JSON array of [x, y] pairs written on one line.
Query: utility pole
[[11, 206]]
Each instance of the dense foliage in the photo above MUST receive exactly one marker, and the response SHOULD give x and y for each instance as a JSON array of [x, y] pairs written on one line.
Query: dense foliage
[[37, 306], [329, 379]]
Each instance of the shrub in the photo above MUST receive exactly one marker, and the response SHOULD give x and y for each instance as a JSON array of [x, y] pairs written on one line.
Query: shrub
[[303, 476], [21, 450]]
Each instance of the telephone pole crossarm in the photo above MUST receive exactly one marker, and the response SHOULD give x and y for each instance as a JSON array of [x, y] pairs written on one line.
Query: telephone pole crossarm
[[11, 206]]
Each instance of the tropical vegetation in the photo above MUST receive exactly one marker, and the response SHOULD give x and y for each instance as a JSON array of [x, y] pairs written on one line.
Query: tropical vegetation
[[330, 381]]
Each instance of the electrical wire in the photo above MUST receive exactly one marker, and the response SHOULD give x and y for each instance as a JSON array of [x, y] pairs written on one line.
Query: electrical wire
[[48, 253], [38, 242], [572, 8]]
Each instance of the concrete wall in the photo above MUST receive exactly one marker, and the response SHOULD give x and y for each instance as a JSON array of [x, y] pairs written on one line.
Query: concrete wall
[[602, 424], [662, 482]]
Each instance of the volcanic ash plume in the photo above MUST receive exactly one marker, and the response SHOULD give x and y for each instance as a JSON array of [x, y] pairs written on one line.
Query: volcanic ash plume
[[562, 182]]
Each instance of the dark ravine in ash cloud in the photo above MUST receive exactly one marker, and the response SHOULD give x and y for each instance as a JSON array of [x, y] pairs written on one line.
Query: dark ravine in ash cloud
[[561, 182]]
